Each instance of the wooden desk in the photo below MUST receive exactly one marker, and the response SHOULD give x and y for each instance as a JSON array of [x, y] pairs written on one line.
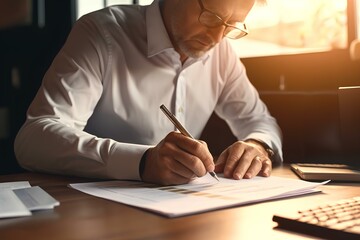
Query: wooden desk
[[81, 216]]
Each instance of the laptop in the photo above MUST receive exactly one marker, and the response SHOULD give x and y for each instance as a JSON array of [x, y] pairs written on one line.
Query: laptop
[[349, 114], [348, 168]]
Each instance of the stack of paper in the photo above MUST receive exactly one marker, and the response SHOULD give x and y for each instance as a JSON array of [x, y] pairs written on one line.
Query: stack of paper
[[19, 199], [203, 194]]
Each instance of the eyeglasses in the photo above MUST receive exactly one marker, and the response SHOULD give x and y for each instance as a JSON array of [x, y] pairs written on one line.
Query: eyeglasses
[[212, 20]]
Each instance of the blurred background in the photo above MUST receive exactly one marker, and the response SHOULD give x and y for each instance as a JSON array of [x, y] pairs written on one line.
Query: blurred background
[[298, 54]]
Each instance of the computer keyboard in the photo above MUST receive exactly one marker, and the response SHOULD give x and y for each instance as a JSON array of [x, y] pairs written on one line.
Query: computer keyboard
[[337, 220]]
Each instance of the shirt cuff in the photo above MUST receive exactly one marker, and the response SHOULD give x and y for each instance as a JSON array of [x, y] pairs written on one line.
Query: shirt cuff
[[125, 160]]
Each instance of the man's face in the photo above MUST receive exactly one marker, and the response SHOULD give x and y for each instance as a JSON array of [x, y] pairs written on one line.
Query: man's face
[[193, 39]]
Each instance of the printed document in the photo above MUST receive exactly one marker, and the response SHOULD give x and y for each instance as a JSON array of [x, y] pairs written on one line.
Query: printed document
[[201, 195]]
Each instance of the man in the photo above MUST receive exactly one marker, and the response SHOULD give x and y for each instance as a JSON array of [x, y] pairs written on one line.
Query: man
[[97, 112]]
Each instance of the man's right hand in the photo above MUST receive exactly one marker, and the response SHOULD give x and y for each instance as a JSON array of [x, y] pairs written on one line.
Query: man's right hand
[[177, 159]]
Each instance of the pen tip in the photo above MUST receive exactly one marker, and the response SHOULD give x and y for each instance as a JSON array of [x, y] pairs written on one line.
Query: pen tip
[[213, 174]]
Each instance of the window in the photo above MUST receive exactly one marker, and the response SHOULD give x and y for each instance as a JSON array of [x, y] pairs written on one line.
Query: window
[[141, 2], [357, 16], [296, 26], [281, 27], [86, 6]]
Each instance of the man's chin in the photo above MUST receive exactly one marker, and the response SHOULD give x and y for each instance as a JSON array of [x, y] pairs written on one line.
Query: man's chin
[[199, 54], [195, 49], [196, 53]]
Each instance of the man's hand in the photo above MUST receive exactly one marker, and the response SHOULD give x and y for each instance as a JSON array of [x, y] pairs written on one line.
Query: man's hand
[[244, 160], [176, 160]]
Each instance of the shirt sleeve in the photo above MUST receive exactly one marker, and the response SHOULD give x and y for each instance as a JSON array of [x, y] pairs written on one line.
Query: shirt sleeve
[[243, 110], [53, 138]]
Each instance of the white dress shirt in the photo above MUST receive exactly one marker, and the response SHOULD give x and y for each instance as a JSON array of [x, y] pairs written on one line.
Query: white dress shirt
[[97, 110]]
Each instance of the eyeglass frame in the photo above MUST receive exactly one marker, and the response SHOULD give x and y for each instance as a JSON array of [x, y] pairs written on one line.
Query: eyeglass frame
[[223, 23]]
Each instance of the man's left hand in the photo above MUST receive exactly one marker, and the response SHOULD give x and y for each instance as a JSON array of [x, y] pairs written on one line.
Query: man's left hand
[[244, 159]]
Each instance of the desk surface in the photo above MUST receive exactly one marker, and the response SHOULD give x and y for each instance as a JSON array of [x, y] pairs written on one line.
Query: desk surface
[[81, 216]]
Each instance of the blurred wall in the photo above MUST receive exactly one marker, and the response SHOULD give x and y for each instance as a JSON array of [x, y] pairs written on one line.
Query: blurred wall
[[31, 33]]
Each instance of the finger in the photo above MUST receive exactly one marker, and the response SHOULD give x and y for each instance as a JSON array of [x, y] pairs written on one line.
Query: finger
[[266, 168], [220, 163], [173, 172], [158, 169], [207, 159], [187, 169], [254, 168], [184, 163], [237, 164], [202, 142], [171, 178], [197, 149]]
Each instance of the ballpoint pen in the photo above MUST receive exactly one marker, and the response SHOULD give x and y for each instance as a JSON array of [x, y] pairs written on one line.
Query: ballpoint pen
[[182, 129]]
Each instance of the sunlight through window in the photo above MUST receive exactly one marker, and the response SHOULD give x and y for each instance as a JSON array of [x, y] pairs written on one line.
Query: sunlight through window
[[296, 26], [279, 26]]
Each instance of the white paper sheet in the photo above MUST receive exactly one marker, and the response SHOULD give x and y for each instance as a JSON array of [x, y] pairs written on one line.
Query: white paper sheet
[[14, 185], [18, 199], [11, 205], [203, 194]]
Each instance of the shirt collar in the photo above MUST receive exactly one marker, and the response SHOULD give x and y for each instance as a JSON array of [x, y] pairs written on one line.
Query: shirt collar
[[158, 38]]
